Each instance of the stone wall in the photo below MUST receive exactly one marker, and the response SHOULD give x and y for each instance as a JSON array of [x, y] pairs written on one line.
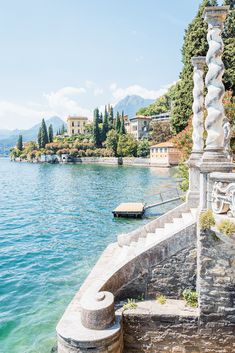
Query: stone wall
[[216, 279], [173, 334], [172, 276]]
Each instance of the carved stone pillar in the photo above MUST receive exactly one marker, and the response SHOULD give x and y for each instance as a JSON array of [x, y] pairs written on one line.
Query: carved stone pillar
[[214, 156], [215, 17], [198, 63]]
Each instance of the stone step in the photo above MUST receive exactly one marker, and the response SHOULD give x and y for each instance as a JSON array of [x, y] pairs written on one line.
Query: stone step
[[194, 211], [178, 222], [159, 231], [187, 217]]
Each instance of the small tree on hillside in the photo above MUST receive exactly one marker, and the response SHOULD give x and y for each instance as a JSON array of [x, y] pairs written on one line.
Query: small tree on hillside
[[50, 133], [105, 127], [20, 143]]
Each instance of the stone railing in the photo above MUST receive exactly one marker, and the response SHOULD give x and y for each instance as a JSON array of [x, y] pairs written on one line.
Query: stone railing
[[222, 193]]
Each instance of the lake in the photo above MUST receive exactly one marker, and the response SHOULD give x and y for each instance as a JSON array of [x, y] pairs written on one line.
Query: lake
[[55, 220]]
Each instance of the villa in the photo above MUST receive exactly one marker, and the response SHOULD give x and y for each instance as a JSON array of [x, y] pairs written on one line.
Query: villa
[[164, 154], [76, 125]]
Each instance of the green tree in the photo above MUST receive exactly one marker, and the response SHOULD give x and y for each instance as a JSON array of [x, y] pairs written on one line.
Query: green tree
[[118, 122], [127, 146], [122, 127], [20, 143], [143, 148], [44, 135], [111, 117], [39, 137], [105, 126], [63, 129], [50, 133], [96, 129], [160, 131], [112, 141], [229, 47]]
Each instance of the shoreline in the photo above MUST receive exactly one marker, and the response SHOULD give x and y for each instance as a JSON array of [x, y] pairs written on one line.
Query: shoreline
[[120, 161]]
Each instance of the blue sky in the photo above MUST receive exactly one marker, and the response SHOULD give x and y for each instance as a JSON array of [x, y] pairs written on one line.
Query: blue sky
[[63, 57]]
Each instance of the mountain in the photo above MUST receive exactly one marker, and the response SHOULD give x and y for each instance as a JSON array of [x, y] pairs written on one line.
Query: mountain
[[8, 138], [131, 104]]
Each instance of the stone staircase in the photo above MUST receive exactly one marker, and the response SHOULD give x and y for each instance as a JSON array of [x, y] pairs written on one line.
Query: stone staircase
[[147, 240]]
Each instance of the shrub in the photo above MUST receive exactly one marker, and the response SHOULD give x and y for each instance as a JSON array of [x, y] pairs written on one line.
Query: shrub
[[191, 297], [226, 227], [161, 299], [131, 304], [206, 220]]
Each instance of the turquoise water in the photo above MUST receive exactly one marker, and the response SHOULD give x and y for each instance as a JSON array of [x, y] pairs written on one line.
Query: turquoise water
[[55, 220]]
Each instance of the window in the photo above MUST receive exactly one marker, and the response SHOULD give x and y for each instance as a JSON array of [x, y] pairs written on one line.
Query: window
[[78, 123], [72, 123], [72, 131], [78, 131]]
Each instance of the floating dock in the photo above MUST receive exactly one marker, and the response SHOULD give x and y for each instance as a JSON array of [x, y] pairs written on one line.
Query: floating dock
[[130, 209]]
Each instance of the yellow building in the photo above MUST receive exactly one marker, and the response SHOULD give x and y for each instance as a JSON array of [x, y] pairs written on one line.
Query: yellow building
[[164, 154], [76, 125]]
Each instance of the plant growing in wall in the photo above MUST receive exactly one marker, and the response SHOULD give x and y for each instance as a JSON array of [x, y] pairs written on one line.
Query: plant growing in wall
[[191, 297], [130, 305], [161, 299], [206, 220], [226, 227]]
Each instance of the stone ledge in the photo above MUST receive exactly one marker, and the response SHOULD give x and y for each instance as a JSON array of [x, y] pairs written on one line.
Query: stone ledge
[[172, 307]]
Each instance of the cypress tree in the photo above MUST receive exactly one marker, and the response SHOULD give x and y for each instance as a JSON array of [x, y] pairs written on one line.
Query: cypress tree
[[229, 47], [96, 129], [122, 127], [20, 143], [39, 137], [101, 118], [118, 123], [44, 134], [105, 127], [50, 133], [195, 44], [111, 117]]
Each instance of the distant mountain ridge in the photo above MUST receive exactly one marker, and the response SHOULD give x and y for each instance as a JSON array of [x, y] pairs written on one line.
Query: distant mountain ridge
[[131, 104], [8, 138]]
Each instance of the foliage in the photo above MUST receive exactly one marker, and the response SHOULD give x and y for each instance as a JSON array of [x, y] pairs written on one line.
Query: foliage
[[105, 127], [206, 220], [19, 144], [96, 129], [183, 141], [226, 227], [42, 135], [122, 127], [143, 148], [130, 305], [161, 299], [191, 297], [112, 141], [118, 122], [161, 105], [229, 48], [127, 146], [183, 174], [195, 44], [160, 131], [50, 133]]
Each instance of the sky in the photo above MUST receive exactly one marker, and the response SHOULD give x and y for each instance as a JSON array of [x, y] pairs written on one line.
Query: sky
[[61, 57]]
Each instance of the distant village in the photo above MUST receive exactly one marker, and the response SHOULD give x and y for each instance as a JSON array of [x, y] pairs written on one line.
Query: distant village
[[106, 137]]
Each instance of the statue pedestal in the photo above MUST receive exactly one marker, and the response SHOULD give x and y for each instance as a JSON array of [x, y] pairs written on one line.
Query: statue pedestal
[[193, 194], [211, 163]]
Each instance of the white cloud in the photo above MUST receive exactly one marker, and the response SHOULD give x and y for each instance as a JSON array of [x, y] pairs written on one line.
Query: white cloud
[[62, 102], [119, 93], [98, 91]]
